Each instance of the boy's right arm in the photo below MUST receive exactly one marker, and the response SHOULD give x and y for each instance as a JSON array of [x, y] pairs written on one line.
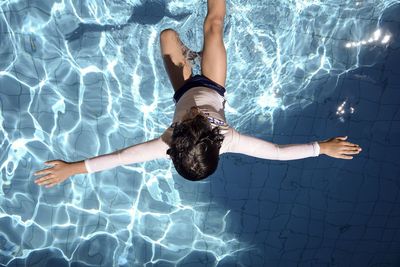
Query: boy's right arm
[[146, 151], [61, 170]]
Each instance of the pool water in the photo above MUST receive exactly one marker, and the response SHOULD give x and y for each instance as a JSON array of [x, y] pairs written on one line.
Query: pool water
[[84, 78]]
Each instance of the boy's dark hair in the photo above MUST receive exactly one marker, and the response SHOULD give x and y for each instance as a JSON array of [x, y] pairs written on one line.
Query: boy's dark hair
[[195, 148]]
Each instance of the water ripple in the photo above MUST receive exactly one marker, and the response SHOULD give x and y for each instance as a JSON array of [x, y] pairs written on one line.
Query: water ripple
[[79, 79]]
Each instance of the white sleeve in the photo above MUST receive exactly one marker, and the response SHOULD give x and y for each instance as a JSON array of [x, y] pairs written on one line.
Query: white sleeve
[[252, 146], [150, 150]]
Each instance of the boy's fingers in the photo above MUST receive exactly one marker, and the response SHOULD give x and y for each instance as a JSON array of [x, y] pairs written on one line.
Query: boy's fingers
[[351, 145], [45, 171], [351, 148], [352, 152], [47, 182], [347, 155], [44, 179]]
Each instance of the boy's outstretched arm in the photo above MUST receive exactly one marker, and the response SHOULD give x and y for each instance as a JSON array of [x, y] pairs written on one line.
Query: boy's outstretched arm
[[61, 170], [252, 146]]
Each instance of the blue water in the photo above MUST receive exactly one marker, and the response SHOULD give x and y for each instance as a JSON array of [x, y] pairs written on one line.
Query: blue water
[[84, 78]]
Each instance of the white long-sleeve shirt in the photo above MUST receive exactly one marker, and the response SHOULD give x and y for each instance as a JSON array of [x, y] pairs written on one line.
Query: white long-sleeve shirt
[[212, 105]]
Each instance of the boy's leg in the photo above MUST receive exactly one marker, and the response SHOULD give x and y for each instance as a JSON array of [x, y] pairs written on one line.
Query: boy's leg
[[176, 58], [213, 63]]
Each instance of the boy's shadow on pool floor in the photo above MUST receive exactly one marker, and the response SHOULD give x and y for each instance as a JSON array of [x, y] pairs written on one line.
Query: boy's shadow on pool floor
[[150, 13]]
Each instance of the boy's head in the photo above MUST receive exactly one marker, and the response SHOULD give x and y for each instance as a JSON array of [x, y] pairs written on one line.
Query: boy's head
[[195, 148]]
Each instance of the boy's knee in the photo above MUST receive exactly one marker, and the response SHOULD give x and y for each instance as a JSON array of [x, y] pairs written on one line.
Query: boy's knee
[[167, 33], [214, 24]]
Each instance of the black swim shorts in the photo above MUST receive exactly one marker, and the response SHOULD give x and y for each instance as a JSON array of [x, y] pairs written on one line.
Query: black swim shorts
[[196, 81]]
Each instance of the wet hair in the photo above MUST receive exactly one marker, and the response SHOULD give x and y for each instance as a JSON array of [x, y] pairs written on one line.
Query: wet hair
[[194, 148]]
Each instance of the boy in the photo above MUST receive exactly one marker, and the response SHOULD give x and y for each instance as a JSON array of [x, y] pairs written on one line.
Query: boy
[[199, 132]]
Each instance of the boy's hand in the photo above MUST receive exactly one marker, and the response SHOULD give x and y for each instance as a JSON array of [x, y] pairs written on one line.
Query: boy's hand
[[337, 147], [56, 174]]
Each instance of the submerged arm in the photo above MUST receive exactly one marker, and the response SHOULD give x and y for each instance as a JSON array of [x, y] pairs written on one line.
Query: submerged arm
[[336, 147], [61, 170], [146, 151], [252, 146]]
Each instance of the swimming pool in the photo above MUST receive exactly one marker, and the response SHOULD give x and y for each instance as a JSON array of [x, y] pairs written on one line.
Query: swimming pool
[[83, 78]]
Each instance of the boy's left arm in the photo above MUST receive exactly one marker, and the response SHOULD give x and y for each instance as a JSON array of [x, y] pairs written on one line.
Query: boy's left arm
[[252, 146], [336, 147]]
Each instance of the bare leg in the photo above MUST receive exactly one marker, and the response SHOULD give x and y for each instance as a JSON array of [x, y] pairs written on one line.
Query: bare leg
[[213, 63], [176, 58]]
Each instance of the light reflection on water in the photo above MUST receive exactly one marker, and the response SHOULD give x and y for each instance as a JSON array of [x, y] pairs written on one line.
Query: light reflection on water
[[83, 79]]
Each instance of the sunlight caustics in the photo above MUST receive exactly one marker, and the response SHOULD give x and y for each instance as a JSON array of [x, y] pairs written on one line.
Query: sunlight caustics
[[377, 38], [87, 79]]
